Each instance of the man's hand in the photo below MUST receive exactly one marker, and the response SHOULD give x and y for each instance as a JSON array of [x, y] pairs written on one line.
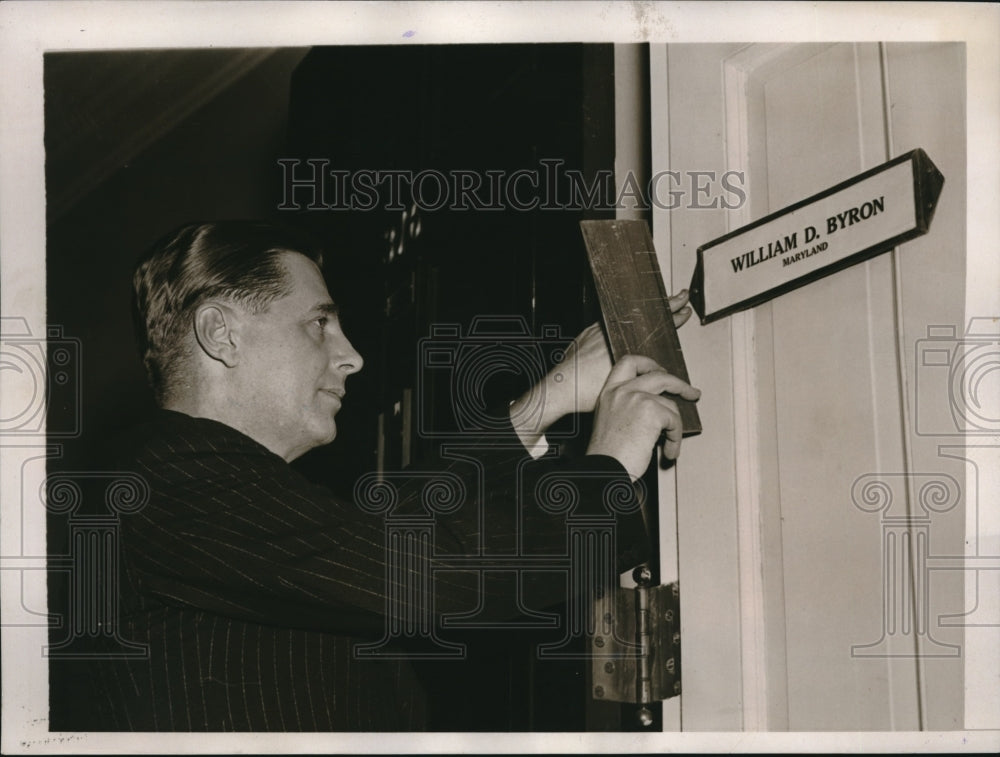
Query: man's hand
[[631, 413], [574, 384]]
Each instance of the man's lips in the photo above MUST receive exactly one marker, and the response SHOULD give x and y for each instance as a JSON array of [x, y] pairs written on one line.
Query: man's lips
[[338, 393]]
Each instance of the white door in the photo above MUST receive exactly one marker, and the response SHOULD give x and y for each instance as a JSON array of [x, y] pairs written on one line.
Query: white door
[[812, 509]]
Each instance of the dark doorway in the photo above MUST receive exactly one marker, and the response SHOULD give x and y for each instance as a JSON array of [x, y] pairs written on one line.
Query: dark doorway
[[482, 223], [515, 144]]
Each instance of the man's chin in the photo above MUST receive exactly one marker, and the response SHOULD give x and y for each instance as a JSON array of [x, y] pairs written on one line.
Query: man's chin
[[329, 436], [318, 436]]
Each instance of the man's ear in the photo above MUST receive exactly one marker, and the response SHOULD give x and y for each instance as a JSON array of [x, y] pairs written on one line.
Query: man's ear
[[215, 327]]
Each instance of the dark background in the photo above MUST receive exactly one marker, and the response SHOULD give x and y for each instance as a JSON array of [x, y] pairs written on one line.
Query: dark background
[[137, 143]]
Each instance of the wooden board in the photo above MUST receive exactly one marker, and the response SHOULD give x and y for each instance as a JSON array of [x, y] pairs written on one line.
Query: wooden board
[[637, 316]]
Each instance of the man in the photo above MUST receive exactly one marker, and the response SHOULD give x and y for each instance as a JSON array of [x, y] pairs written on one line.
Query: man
[[250, 585]]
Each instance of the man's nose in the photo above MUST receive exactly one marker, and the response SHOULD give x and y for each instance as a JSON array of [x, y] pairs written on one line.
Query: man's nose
[[345, 358]]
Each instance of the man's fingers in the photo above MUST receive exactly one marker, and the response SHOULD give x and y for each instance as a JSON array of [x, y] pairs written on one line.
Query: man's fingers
[[681, 316], [632, 414], [672, 448], [659, 381], [631, 366], [678, 300], [648, 376], [672, 425], [679, 307]]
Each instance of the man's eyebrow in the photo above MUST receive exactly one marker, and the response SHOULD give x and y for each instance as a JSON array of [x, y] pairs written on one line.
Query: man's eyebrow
[[325, 308]]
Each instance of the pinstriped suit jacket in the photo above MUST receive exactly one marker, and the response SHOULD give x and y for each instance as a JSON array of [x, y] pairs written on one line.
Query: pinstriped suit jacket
[[251, 586]]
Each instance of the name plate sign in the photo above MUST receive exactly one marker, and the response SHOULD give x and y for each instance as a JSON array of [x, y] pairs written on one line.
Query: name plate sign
[[850, 222]]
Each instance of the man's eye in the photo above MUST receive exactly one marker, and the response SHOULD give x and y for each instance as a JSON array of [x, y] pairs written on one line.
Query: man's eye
[[321, 322]]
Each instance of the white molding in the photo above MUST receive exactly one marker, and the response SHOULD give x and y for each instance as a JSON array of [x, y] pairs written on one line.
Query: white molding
[[660, 123], [746, 412], [628, 157], [659, 118]]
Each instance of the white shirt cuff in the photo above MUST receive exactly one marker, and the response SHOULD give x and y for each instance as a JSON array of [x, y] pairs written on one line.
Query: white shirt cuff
[[539, 448]]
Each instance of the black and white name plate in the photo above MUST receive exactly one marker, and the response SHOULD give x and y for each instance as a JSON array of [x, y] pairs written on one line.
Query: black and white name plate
[[850, 222]]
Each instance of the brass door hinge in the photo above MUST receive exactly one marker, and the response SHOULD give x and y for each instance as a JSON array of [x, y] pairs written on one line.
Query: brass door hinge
[[636, 649]]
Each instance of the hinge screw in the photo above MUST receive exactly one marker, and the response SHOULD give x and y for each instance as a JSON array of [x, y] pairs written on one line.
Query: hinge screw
[[609, 667], [677, 687], [645, 717], [598, 691], [669, 615], [670, 665], [598, 641], [677, 637]]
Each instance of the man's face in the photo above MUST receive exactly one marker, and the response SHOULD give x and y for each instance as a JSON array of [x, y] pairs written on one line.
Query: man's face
[[294, 363]]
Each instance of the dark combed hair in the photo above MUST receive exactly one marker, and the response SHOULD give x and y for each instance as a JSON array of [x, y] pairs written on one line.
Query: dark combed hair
[[238, 261]]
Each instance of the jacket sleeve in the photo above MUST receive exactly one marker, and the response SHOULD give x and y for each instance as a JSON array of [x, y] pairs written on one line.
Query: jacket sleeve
[[232, 529]]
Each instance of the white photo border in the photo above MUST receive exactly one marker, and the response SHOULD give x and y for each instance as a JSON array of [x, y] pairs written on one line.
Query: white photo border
[[29, 29]]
